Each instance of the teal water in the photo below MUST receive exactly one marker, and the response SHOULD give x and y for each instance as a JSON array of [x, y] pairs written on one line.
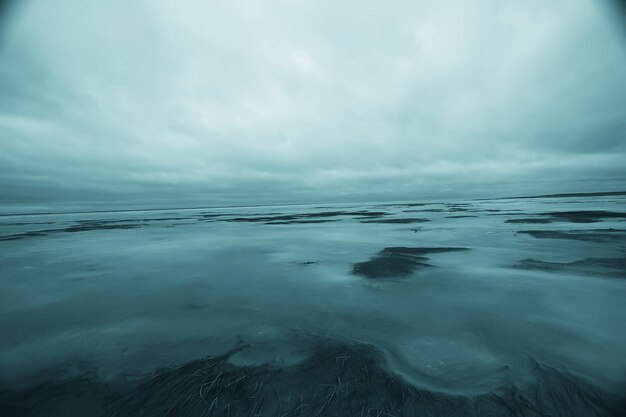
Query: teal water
[[129, 292]]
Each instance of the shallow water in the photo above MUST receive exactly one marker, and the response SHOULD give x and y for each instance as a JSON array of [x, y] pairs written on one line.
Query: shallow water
[[128, 292]]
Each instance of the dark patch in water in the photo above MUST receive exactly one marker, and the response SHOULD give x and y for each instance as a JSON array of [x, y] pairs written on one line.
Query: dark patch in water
[[566, 195], [414, 204], [590, 266], [529, 221], [96, 225], [592, 235], [592, 216], [80, 226], [339, 379], [24, 235], [397, 261], [429, 210], [401, 205], [24, 223], [397, 221], [299, 217], [306, 263], [506, 213], [459, 217], [304, 221]]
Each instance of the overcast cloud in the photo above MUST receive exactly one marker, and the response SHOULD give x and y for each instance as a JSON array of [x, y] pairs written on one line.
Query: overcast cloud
[[223, 102]]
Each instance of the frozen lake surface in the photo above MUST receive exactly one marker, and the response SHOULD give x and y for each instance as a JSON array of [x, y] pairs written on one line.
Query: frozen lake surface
[[459, 299]]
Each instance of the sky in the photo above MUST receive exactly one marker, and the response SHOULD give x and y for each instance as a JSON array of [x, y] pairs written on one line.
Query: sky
[[158, 102]]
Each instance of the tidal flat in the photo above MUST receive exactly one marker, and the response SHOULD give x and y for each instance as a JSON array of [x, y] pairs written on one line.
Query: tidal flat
[[504, 307]]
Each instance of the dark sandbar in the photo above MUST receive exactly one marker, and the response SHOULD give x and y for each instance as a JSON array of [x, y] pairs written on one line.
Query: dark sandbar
[[459, 217], [80, 226], [591, 216], [592, 235], [397, 221], [590, 266], [297, 217], [338, 379], [397, 261], [529, 221]]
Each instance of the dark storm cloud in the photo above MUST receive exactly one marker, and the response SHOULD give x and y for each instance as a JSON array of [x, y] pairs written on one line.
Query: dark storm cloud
[[299, 100]]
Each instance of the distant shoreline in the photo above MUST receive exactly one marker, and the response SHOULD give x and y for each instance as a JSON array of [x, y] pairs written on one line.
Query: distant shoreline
[[561, 195]]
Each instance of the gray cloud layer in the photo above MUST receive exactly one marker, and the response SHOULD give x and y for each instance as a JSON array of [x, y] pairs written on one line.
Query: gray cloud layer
[[258, 101]]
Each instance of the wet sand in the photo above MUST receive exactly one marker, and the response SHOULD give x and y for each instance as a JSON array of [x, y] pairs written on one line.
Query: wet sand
[[337, 379], [497, 307], [397, 262]]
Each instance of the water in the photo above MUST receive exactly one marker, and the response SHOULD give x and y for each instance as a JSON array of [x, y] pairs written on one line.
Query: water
[[128, 292]]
